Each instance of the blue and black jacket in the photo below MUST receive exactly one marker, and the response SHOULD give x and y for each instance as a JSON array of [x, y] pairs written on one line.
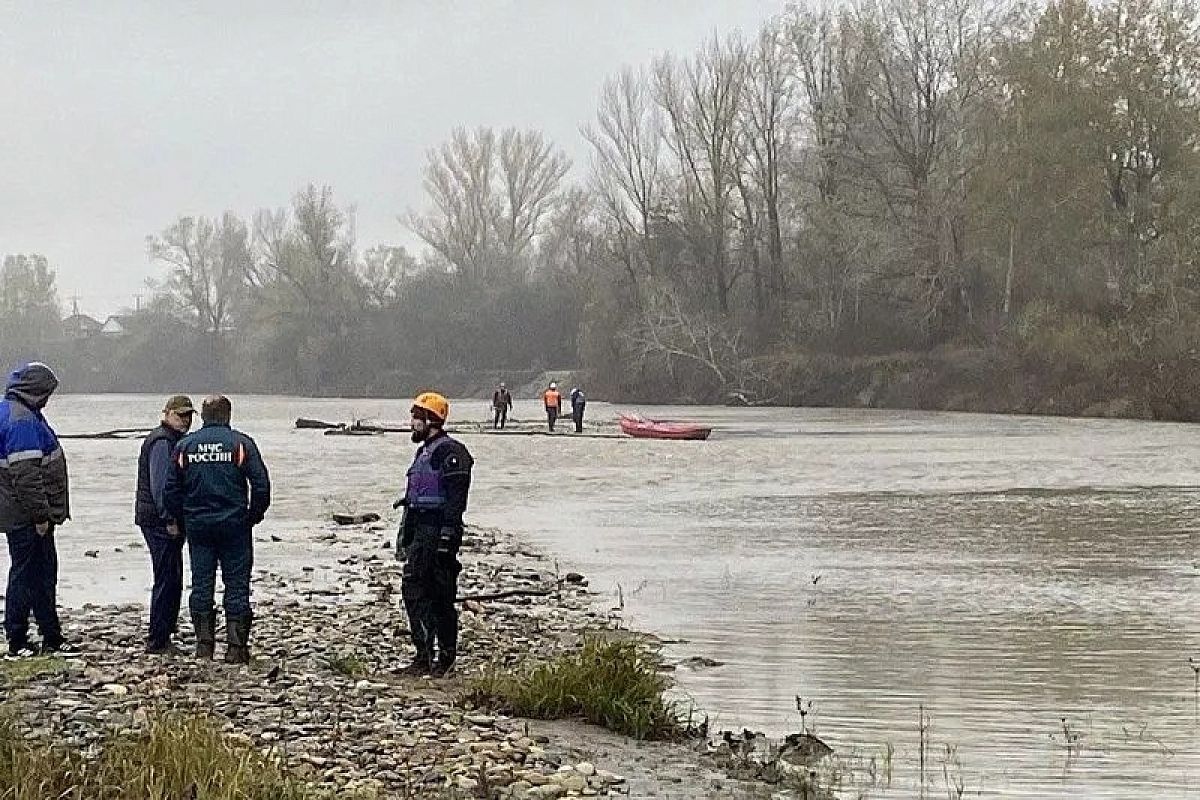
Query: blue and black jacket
[[218, 481], [34, 487], [439, 482]]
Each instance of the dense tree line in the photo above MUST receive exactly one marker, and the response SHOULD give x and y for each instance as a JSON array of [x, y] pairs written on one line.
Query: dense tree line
[[899, 176]]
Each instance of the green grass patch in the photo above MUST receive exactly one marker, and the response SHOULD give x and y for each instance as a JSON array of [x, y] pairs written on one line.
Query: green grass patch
[[615, 684], [176, 757], [348, 664], [23, 670]]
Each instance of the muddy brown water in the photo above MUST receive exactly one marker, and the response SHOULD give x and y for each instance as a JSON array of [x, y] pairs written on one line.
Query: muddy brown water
[[1004, 573]]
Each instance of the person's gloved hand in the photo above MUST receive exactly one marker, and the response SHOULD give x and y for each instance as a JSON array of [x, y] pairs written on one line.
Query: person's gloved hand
[[400, 501]]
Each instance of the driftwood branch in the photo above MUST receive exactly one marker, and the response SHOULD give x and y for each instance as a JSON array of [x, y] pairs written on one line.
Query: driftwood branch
[[502, 595]]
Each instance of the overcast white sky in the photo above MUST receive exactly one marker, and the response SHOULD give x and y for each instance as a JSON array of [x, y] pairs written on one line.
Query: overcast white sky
[[117, 117]]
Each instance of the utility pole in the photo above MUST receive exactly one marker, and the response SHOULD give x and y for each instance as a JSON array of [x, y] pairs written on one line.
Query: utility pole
[[137, 303]]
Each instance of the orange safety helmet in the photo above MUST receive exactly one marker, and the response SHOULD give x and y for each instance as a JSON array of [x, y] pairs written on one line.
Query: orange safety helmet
[[434, 403]]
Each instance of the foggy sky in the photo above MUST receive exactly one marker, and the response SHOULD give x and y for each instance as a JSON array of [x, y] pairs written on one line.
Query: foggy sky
[[117, 117]]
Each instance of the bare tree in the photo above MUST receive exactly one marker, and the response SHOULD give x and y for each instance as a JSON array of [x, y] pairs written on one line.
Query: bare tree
[[489, 195], [768, 119], [700, 100], [383, 270], [627, 143], [669, 334], [209, 261], [531, 171]]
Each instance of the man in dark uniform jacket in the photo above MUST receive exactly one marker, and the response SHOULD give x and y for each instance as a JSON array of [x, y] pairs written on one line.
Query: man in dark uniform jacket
[[435, 498], [220, 489], [162, 532]]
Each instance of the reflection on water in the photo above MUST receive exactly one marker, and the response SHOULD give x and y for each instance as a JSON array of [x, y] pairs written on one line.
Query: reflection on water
[[1005, 573]]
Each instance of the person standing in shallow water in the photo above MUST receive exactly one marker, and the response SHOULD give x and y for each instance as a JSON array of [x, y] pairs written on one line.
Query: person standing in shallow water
[[578, 405], [552, 400], [34, 500], [219, 488], [163, 533], [431, 533], [502, 403]]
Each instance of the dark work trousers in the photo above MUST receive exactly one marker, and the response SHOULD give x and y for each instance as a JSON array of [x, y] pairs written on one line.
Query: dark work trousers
[[501, 417], [231, 549], [577, 415], [32, 586], [429, 588], [552, 416], [166, 559]]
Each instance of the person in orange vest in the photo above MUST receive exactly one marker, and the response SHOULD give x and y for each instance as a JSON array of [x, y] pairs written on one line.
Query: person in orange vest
[[552, 398]]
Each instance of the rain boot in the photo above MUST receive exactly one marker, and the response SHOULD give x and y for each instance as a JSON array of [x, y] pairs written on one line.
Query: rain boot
[[206, 634], [237, 637], [422, 664]]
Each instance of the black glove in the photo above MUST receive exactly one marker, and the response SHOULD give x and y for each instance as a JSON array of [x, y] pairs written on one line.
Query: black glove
[[400, 501]]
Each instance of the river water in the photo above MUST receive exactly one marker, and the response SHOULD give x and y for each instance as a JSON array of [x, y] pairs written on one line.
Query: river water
[[1005, 574]]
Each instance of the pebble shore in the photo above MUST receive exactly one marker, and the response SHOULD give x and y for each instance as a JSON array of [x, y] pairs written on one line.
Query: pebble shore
[[324, 696]]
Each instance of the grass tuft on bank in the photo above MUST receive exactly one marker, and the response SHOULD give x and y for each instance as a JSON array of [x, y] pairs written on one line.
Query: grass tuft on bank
[[21, 671], [614, 684], [176, 757]]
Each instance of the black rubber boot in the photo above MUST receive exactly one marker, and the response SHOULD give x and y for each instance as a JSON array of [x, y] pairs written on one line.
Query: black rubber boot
[[237, 636], [422, 664], [443, 666], [206, 634]]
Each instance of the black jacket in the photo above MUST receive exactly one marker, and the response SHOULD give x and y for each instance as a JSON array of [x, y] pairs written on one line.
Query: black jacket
[[154, 466]]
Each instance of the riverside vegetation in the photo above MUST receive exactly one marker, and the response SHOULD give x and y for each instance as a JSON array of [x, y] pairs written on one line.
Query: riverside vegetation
[[922, 203]]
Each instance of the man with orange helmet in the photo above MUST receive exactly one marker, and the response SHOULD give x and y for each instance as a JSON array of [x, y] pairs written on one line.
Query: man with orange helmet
[[435, 498]]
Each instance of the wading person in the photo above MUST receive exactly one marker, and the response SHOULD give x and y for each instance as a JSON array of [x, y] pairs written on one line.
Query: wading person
[[162, 531], [578, 405], [431, 534], [552, 399], [219, 489], [502, 403], [34, 500]]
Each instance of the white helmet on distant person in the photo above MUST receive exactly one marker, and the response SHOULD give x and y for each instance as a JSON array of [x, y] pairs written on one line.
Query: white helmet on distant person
[[553, 385]]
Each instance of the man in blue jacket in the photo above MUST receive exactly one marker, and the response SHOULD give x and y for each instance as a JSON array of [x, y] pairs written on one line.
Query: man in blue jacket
[[34, 500], [162, 532], [219, 488]]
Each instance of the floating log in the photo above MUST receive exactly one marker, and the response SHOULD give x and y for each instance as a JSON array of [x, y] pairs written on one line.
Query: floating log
[[356, 519], [118, 433], [316, 424], [352, 432]]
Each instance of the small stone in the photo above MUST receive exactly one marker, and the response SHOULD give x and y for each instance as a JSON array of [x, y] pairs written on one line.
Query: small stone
[[115, 689], [585, 768]]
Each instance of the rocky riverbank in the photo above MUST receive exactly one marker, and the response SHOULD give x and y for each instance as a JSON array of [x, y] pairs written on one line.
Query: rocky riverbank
[[323, 696]]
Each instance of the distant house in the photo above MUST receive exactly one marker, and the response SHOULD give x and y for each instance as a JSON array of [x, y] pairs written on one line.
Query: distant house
[[113, 327], [81, 326]]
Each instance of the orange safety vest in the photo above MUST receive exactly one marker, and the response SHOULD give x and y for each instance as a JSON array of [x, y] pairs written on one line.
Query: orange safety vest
[[552, 398]]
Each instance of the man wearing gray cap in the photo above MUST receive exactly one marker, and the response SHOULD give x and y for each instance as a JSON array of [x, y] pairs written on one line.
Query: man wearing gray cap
[[163, 533]]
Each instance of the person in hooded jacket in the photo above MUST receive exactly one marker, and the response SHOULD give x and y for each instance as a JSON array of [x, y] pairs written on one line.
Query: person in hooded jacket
[[34, 500], [219, 487], [162, 532]]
